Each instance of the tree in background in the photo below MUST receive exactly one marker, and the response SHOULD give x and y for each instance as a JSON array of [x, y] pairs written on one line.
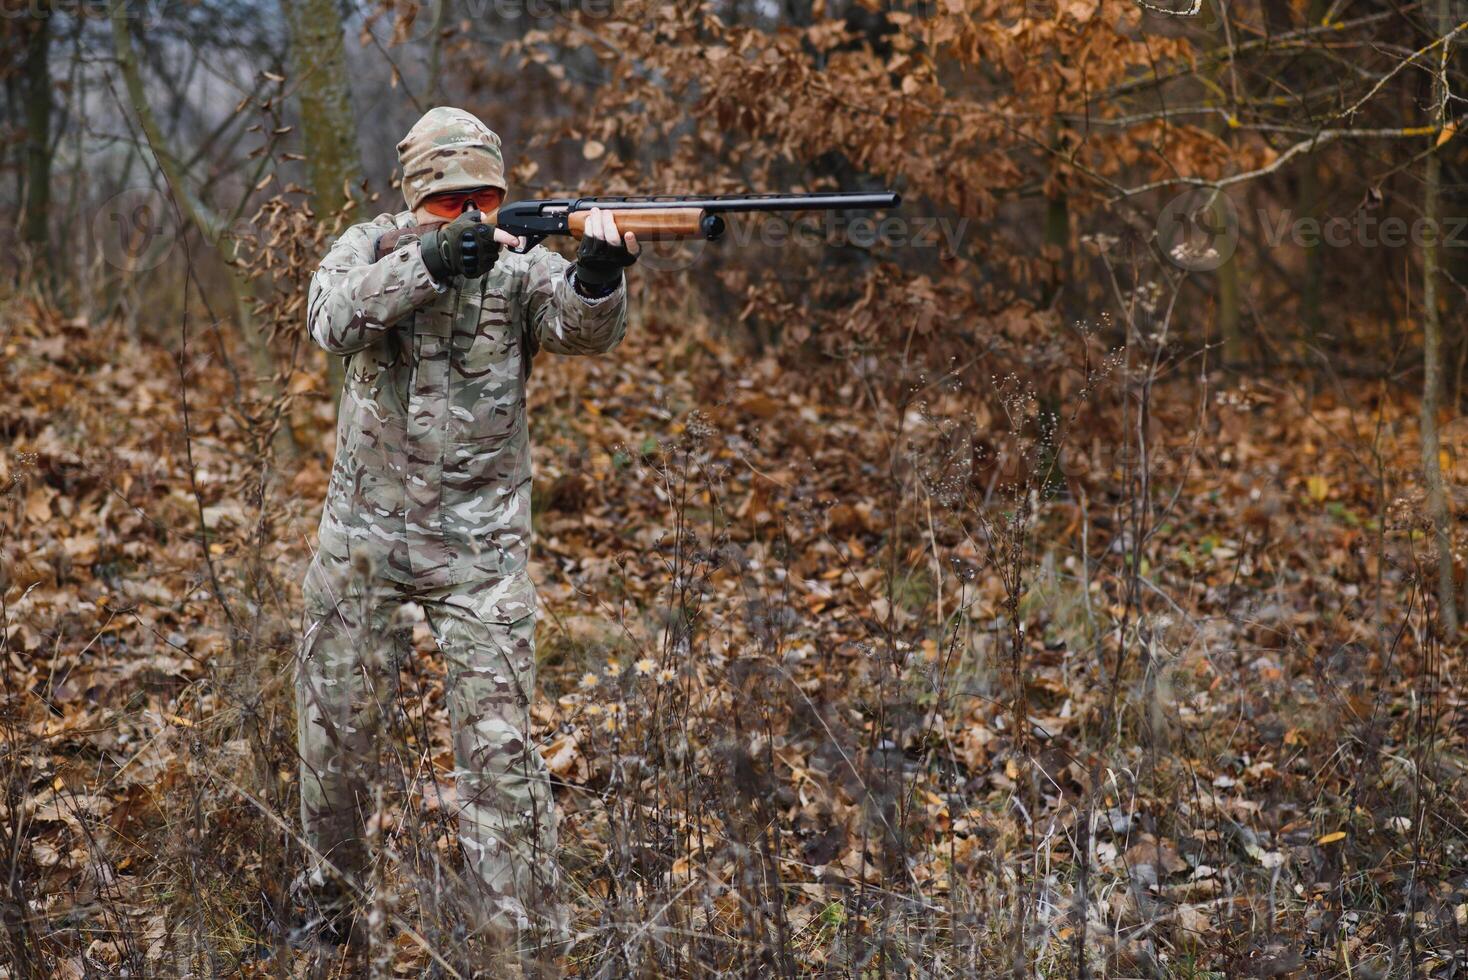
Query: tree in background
[[36, 80], [328, 123], [322, 83]]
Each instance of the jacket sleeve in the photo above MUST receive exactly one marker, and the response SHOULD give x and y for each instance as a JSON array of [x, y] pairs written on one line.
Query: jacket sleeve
[[354, 300], [564, 321]]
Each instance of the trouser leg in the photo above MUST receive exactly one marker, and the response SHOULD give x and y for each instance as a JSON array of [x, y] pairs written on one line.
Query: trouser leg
[[507, 818], [353, 641]]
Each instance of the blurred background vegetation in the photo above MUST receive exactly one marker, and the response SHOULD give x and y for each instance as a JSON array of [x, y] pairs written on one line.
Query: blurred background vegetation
[[1096, 518]]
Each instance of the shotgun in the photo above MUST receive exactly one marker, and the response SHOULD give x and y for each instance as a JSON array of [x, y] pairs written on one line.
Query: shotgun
[[663, 217]]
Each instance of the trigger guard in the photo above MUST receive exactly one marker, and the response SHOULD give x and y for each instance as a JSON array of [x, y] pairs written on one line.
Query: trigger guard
[[530, 242]]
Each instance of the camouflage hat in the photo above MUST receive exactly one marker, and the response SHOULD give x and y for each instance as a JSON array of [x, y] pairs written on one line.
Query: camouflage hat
[[449, 150]]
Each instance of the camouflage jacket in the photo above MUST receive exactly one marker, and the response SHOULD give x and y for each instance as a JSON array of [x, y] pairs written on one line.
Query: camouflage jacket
[[431, 484]]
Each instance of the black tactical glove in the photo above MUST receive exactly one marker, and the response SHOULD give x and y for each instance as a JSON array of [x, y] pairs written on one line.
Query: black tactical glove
[[463, 247], [599, 264]]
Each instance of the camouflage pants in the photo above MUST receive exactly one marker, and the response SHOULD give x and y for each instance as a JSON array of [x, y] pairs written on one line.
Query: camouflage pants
[[356, 636]]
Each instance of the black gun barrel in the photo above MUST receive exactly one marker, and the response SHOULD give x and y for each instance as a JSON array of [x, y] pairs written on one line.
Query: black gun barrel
[[535, 221], [747, 202]]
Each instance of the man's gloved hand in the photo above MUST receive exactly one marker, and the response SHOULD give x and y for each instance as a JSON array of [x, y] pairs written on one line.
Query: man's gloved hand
[[604, 253], [464, 247]]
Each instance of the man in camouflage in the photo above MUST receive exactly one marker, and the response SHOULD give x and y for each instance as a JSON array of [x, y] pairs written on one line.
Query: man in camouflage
[[429, 506]]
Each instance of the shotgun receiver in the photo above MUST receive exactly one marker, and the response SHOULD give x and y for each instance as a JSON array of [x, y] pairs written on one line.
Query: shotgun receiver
[[664, 217]]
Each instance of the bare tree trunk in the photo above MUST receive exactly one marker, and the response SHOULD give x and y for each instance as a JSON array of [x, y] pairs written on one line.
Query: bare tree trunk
[[38, 132], [435, 54], [1310, 190], [1310, 291], [1227, 310], [1432, 361], [1057, 228], [319, 61]]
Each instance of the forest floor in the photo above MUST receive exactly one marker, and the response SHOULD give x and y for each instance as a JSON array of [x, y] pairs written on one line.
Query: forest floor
[[787, 631]]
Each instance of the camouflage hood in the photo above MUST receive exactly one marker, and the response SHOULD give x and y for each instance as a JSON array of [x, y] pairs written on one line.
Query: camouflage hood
[[449, 150]]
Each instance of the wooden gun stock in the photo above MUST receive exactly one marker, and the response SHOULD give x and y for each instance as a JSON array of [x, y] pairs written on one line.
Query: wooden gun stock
[[648, 224]]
